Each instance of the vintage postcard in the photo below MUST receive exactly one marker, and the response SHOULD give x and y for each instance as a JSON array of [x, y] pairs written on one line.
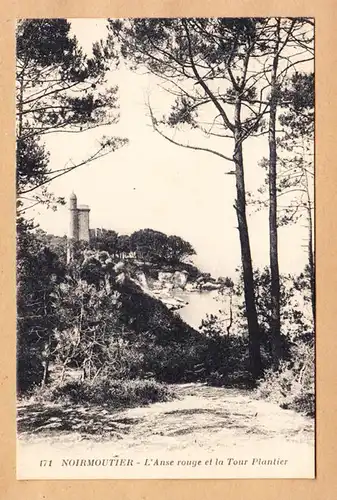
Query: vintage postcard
[[165, 248]]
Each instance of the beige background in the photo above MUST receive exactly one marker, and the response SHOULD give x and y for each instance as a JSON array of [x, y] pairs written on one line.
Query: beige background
[[325, 486]]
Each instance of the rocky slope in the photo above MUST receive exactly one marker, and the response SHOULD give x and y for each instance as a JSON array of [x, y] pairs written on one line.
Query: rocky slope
[[161, 282]]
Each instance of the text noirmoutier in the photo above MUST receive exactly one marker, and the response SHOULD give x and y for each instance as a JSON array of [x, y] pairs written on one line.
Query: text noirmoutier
[[155, 462]]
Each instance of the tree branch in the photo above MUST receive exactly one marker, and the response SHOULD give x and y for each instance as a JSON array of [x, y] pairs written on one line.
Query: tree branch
[[196, 148], [203, 84]]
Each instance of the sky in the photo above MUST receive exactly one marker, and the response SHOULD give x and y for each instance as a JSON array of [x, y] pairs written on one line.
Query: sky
[[151, 183]]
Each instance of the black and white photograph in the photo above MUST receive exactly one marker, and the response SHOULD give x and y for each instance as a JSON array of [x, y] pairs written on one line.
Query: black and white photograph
[[165, 248]]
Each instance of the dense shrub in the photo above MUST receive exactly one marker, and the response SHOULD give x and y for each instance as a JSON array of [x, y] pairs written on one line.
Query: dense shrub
[[115, 393], [175, 362], [217, 360], [125, 360], [29, 368], [293, 384], [226, 355], [240, 377]]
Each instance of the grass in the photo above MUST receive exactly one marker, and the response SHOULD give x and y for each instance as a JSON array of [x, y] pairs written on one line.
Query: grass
[[117, 393], [78, 406]]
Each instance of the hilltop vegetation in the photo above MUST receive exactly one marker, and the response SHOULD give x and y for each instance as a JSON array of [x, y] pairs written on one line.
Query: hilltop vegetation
[[145, 246]]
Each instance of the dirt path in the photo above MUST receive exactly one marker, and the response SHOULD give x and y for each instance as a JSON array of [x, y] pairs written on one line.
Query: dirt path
[[201, 417]]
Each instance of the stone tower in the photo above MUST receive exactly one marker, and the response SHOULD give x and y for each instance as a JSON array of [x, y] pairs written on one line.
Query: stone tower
[[83, 222], [78, 223], [73, 222], [79, 220]]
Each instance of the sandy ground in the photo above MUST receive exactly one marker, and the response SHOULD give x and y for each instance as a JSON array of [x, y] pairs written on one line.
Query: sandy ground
[[200, 417]]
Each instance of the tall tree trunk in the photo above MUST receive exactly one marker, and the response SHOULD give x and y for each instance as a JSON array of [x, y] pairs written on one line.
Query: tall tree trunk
[[229, 326], [311, 252], [248, 278], [275, 327], [45, 376], [312, 265], [45, 363]]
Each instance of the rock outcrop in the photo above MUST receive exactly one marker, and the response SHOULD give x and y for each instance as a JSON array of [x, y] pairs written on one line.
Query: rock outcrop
[[162, 288], [162, 284], [174, 279]]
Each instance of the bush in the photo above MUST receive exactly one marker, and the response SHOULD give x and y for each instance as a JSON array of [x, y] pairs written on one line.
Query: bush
[[226, 356], [218, 360], [115, 393], [175, 362], [293, 384], [240, 377], [29, 368], [125, 360]]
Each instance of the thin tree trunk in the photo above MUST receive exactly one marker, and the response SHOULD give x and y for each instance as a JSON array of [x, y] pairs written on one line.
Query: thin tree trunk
[[248, 278], [46, 361], [20, 106], [275, 327], [230, 314], [45, 373], [312, 265], [311, 252], [47, 346], [64, 367]]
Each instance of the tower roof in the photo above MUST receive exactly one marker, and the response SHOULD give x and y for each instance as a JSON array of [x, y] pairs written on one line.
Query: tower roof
[[73, 196]]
